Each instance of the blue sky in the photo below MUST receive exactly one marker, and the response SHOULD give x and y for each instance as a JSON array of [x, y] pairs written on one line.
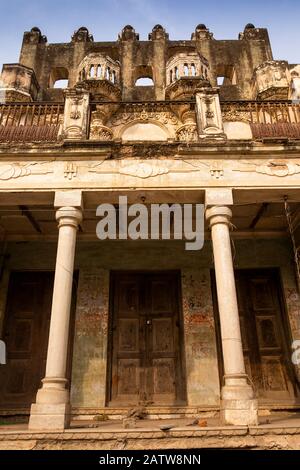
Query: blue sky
[[105, 18]]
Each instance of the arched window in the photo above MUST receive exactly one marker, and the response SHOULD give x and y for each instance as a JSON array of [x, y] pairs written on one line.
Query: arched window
[[61, 84], [144, 81], [59, 77], [91, 72]]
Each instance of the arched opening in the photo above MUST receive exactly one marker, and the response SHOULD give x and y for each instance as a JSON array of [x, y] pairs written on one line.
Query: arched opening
[[99, 71], [144, 81], [61, 84], [144, 76], [220, 81], [59, 77], [144, 131], [226, 75], [92, 71]]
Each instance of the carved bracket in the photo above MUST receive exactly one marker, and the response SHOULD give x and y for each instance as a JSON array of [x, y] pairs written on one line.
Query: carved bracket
[[209, 117], [75, 126]]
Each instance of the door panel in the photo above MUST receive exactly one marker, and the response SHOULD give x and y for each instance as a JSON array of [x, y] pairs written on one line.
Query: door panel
[[163, 339], [26, 331], [146, 360], [264, 338], [268, 358], [126, 356]]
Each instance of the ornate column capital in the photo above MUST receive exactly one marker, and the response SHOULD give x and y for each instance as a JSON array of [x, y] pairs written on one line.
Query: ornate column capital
[[218, 215], [68, 216]]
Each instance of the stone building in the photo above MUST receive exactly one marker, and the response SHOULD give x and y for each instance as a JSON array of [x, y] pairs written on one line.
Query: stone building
[[145, 322]]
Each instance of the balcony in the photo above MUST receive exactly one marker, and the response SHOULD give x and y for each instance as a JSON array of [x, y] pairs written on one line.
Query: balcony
[[259, 120], [30, 122], [108, 120]]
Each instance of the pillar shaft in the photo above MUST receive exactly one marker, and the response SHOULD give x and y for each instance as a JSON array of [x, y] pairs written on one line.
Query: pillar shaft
[[51, 410], [62, 296], [227, 298], [238, 405]]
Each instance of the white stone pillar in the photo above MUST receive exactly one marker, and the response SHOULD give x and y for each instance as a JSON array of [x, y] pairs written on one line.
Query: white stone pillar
[[52, 407], [238, 404]]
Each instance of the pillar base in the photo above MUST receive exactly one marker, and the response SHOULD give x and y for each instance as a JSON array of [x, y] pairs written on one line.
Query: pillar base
[[49, 417], [238, 405], [239, 412], [53, 391]]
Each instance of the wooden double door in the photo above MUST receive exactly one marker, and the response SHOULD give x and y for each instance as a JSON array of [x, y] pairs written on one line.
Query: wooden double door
[[26, 331], [265, 334], [145, 341]]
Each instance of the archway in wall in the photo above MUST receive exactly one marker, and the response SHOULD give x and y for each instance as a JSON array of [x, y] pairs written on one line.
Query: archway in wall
[[144, 131]]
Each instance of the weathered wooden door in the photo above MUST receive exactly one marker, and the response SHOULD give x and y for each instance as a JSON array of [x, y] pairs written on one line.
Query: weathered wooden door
[[267, 360], [264, 336], [146, 364], [26, 331]]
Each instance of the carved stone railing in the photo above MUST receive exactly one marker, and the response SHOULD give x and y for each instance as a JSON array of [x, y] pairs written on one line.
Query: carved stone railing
[[275, 119], [30, 122]]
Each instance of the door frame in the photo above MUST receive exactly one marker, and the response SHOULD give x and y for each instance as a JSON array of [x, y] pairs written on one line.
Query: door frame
[[283, 317], [8, 301], [113, 275]]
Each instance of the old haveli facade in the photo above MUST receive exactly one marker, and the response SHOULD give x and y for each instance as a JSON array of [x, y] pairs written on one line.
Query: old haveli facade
[[147, 322]]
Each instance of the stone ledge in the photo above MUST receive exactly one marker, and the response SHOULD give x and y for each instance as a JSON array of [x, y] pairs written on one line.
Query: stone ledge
[[232, 437], [180, 432]]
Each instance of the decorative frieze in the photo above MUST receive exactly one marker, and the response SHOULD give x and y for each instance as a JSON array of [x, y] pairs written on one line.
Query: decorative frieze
[[278, 168], [18, 170], [70, 170]]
